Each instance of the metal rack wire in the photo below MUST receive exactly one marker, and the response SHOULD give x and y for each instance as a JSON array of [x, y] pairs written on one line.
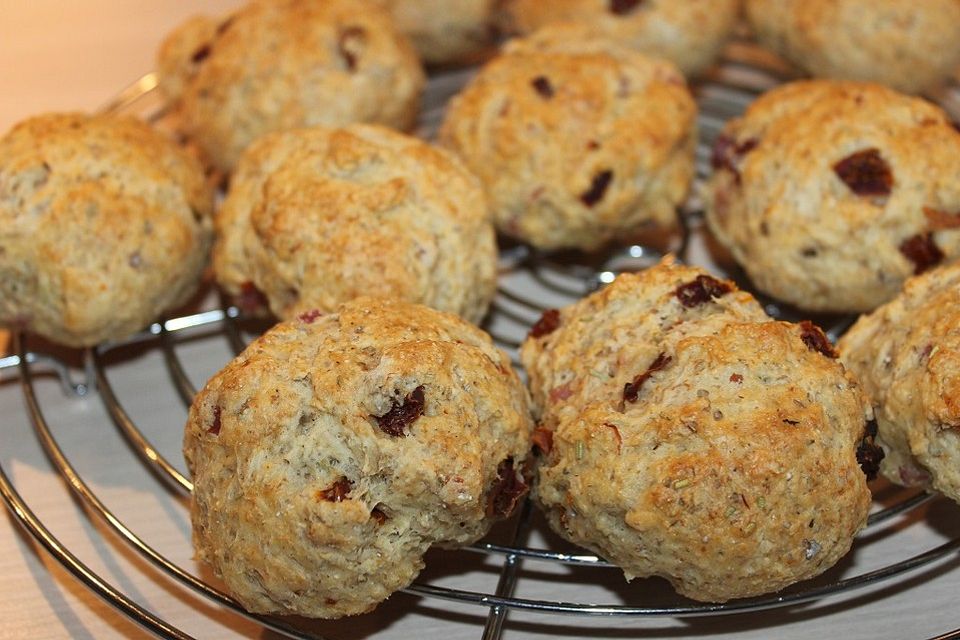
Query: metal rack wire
[[530, 283]]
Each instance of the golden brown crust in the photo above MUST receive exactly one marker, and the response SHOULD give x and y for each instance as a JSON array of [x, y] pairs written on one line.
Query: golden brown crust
[[104, 224], [576, 142], [286, 441], [826, 192], [445, 31], [689, 33], [276, 65], [316, 217], [907, 356], [911, 46], [726, 463]]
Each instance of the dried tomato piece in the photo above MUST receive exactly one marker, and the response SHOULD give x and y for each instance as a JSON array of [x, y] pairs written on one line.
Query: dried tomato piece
[[251, 299], [598, 187], [922, 251], [223, 26], [541, 85], [506, 491], [702, 290], [378, 515], [616, 435], [623, 7], [547, 324], [216, 424], [869, 455], [200, 54], [727, 153], [402, 415], [309, 317], [736, 377], [350, 44], [543, 440], [631, 390], [866, 173], [337, 492], [561, 392], [815, 339]]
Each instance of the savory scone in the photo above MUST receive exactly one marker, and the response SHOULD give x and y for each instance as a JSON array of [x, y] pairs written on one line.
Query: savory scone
[[316, 217], [910, 46], [576, 143], [726, 454], [906, 354], [830, 193], [282, 64], [104, 224], [445, 31], [336, 449], [689, 33]]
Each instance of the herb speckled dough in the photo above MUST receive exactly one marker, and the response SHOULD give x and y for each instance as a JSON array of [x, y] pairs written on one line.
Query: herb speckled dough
[[316, 217], [911, 46], [104, 224], [336, 449], [276, 65], [831, 193], [576, 142], [689, 33], [693, 438], [906, 354]]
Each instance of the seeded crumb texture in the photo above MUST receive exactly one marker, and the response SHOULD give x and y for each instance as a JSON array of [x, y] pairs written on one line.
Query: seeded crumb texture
[[906, 355], [304, 503], [830, 193], [911, 46], [445, 31], [316, 217], [689, 33], [704, 443], [576, 142], [104, 224], [275, 65]]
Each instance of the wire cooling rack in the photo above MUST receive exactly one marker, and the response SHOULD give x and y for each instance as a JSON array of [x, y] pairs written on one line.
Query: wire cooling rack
[[905, 559]]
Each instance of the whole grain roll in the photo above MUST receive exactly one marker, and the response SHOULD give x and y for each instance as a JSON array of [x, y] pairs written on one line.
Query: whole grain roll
[[686, 435], [910, 46], [316, 217], [830, 194], [906, 354], [275, 65], [336, 449], [576, 142], [104, 224]]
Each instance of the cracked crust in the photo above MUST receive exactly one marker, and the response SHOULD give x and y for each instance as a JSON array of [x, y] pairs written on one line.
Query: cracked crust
[[104, 224], [576, 143], [288, 440], [906, 355], [814, 164], [276, 65], [316, 217]]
